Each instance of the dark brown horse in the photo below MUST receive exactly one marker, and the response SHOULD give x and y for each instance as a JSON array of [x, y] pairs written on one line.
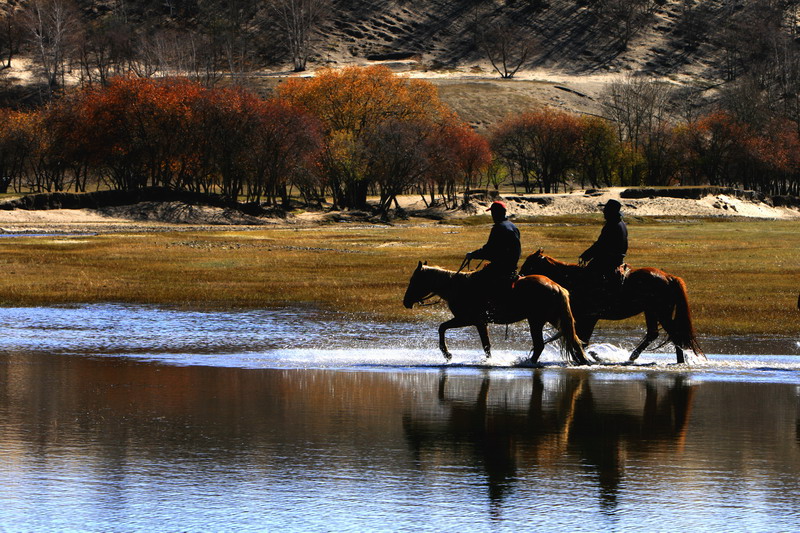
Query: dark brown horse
[[533, 298], [660, 296]]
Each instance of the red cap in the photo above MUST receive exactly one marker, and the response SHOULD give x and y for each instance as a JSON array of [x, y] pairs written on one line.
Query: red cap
[[497, 203]]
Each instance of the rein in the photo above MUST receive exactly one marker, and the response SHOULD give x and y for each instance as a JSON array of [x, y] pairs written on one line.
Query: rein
[[425, 303], [466, 264]]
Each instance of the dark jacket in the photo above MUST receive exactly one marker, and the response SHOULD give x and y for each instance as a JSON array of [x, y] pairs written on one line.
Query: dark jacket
[[502, 249], [610, 248]]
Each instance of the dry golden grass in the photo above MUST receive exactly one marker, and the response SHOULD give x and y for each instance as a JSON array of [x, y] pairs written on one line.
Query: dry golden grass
[[743, 276]]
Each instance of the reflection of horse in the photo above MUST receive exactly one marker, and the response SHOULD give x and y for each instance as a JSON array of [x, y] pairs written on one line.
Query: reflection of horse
[[535, 298], [600, 425], [660, 296]]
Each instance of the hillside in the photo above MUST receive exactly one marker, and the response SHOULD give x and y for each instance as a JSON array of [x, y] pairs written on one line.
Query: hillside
[[685, 40], [677, 38], [573, 48]]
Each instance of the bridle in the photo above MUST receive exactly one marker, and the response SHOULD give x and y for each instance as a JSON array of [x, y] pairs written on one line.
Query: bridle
[[423, 302]]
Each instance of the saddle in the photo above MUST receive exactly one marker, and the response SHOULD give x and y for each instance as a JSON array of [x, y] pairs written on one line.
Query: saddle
[[494, 293], [601, 290]]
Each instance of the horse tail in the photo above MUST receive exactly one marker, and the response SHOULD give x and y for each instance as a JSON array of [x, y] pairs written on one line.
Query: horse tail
[[571, 345], [683, 333]]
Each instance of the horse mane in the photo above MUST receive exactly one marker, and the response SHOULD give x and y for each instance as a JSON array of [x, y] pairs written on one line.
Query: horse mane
[[562, 266], [553, 261], [439, 272]]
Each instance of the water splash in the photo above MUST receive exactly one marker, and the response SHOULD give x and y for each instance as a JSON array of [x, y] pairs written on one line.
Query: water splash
[[308, 338]]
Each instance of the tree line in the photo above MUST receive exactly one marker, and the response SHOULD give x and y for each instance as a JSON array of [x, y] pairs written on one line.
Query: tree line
[[354, 133], [88, 43], [346, 134]]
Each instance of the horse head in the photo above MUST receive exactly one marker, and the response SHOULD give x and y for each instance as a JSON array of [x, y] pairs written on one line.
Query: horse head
[[417, 288], [533, 263]]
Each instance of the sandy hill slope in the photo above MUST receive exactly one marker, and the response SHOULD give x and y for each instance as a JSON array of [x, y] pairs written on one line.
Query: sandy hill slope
[[675, 38], [665, 37]]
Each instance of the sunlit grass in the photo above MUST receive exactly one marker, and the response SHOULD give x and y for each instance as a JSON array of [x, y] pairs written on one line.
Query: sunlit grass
[[743, 276]]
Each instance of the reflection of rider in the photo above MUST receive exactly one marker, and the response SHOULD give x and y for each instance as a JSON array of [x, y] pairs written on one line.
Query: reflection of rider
[[502, 250], [608, 252]]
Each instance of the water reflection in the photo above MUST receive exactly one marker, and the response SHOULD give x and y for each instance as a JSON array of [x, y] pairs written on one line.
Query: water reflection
[[552, 423], [113, 420], [116, 444]]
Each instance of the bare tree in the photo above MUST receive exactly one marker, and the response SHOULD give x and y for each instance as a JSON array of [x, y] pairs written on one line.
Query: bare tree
[[10, 35], [640, 109], [231, 24], [625, 18], [52, 26], [507, 46], [637, 106], [298, 20]]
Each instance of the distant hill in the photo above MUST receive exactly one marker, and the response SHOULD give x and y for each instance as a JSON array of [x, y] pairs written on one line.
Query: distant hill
[[698, 43], [665, 37], [674, 38]]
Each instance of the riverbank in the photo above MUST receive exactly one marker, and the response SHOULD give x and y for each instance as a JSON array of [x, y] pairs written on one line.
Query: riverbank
[[183, 215]]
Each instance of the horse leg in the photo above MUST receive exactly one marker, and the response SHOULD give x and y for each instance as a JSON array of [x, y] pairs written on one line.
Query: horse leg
[[584, 327], [669, 327], [650, 336], [444, 326], [483, 332], [538, 342], [679, 355]]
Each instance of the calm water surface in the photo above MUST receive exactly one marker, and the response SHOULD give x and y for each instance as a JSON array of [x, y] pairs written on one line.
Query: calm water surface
[[116, 418]]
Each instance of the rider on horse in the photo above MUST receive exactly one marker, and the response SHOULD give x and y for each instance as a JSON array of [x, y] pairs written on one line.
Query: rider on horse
[[603, 258], [502, 250]]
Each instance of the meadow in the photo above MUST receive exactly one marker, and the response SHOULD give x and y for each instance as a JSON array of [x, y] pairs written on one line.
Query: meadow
[[743, 275]]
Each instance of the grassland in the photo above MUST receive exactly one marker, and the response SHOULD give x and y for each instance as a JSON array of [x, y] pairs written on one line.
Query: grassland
[[743, 275]]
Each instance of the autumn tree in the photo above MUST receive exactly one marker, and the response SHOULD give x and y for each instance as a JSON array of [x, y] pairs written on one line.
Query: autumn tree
[[599, 153], [711, 147], [353, 103], [398, 156], [465, 155], [16, 142], [543, 145], [138, 128]]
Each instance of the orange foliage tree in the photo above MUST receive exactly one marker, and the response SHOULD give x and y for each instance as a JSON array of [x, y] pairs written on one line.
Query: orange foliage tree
[[542, 145], [356, 106], [177, 134], [712, 147], [16, 141], [458, 157]]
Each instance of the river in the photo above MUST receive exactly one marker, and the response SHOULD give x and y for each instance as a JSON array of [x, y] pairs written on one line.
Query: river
[[129, 418]]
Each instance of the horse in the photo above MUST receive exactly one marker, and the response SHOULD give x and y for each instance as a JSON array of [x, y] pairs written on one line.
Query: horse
[[535, 298], [660, 296]]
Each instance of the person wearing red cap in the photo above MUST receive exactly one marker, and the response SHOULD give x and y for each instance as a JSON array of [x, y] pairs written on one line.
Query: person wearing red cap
[[502, 250]]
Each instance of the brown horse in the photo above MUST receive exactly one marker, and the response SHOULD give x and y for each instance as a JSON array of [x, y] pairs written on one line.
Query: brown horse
[[660, 296], [533, 298]]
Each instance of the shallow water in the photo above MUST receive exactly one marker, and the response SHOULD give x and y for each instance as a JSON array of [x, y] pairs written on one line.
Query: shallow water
[[128, 418]]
